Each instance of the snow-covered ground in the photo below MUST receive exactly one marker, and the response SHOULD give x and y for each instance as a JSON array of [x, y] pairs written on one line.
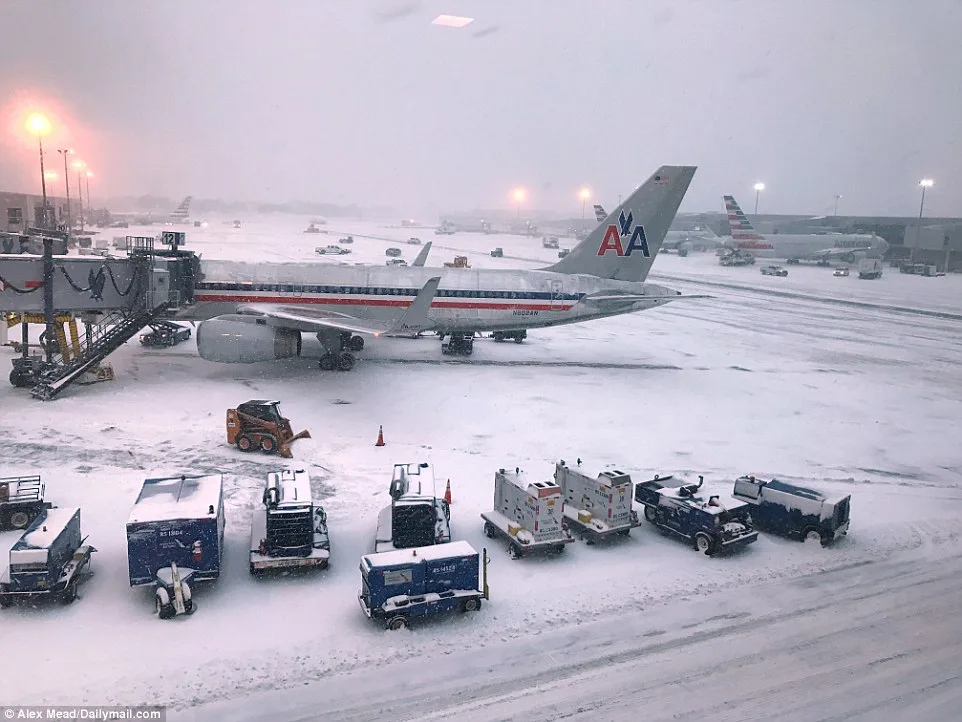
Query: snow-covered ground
[[855, 397]]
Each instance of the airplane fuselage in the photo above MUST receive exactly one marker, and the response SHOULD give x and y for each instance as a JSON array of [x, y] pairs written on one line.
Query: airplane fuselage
[[467, 299], [792, 246]]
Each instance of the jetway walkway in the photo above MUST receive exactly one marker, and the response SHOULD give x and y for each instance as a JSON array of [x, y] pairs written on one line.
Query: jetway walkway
[[115, 297]]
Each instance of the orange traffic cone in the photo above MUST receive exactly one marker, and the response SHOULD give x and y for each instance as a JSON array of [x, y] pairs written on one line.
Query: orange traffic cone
[[380, 436], [447, 493]]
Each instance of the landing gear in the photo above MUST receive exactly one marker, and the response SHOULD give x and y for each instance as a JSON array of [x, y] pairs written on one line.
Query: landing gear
[[458, 344], [338, 347]]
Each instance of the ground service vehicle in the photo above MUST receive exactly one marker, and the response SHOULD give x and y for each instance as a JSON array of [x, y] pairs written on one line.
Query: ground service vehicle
[[412, 241], [458, 262], [399, 585], [347, 239], [175, 533], [549, 242], [497, 252], [773, 271], [596, 507], [258, 424], [416, 516], [840, 272], [21, 501], [517, 336], [49, 560], [332, 250], [736, 258], [526, 514], [290, 530], [392, 252], [794, 511], [164, 334], [870, 268], [709, 526]]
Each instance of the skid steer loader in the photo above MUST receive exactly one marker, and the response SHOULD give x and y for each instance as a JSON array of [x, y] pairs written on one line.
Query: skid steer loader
[[259, 424]]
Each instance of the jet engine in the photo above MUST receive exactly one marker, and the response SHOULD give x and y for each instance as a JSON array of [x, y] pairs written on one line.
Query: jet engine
[[245, 339]]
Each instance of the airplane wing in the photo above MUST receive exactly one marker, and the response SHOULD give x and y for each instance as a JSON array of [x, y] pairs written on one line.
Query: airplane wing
[[299, 318], [423, 255]]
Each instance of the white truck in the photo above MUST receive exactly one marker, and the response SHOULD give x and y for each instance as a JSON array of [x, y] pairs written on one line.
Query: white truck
[[870, 268], [527, 514], [596, 507], [290, 530]]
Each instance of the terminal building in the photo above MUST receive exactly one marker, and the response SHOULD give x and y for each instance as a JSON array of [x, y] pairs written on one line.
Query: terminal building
[[19, 211]]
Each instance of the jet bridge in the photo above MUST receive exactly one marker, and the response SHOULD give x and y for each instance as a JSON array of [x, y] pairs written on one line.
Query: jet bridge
[[116, 296]]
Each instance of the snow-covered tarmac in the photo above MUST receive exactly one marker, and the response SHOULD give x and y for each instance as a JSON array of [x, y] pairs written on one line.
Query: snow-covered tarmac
[[810, 378]]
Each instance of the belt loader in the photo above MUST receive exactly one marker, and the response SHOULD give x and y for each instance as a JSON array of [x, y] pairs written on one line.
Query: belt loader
[[416, 516], [290, 530], [49, 560], [596, 507], [527, 514], [175, 533], [421, 581]]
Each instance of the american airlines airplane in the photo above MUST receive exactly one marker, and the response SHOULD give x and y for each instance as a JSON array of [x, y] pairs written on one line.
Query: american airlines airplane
[[177, 216], [696, 238], [845, 247], [254, 312]]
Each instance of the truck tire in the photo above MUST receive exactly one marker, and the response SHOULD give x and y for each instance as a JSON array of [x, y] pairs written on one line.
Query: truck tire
[[19, 519], [5, 601], [395, 623], [162, 604], [268, 444], [498, 336], [472, 604], [244, 443], [704, 543], [812, 535], [69, 593], [650, 513], [489, 530], [519, 338]]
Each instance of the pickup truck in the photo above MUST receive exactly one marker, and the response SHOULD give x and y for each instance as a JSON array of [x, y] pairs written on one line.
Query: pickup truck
[[710, 526], [331, 251]]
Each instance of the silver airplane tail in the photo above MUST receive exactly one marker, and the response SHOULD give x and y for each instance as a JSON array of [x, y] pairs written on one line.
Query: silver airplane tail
[[624, 246]]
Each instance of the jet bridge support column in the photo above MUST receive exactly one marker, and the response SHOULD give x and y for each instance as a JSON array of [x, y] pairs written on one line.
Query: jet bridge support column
[[47, 299]]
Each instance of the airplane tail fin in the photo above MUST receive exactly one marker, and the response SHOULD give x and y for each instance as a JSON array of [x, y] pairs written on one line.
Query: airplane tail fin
[[600, 212], [624, 246], [742, 228], [182, 211], [423, 255]]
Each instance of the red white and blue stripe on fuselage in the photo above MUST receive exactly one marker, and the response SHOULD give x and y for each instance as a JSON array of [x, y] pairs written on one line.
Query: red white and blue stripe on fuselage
[[382, 296]]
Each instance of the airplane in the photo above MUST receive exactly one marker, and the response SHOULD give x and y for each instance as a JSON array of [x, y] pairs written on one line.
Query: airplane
[[799, 247], [178, 216], [696, 238], [254, 312]]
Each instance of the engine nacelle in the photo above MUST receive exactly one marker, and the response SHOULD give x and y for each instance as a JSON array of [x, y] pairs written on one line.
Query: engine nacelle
[[245, 339]]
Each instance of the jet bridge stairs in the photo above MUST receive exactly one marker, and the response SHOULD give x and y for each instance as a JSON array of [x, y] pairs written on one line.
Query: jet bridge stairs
[[121, 297]]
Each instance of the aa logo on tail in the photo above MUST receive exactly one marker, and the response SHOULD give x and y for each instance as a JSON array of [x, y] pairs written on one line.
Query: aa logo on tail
[[614, 235]]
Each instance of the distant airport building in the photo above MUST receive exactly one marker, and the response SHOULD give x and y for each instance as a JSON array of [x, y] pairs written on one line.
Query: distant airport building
[[19, 211]]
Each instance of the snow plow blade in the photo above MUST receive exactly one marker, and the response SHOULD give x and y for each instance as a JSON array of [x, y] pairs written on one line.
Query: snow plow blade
[[284, 448]]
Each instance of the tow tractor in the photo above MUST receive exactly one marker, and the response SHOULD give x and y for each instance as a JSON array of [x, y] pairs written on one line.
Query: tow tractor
[[517, 336], [165, 334], [457, 344]]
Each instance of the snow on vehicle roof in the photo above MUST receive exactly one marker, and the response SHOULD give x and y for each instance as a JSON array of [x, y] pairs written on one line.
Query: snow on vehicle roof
[[46, 528], [177, 497], [701, 500], [294, 485], [409, 556], [802, 491]]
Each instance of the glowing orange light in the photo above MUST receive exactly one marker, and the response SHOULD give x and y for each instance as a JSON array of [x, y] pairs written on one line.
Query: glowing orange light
[[584, 194], [519, 194], [38, 124]]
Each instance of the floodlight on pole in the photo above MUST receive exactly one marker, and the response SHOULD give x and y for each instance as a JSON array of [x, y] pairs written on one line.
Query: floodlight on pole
[[39, 125], [924, 183], [66, 179], [837, 198], [584, 194], [519, 194], [88, 175], [759, 187], [79, 165]]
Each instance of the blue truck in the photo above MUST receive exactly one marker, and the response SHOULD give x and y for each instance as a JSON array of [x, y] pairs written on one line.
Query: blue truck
[[709, 525], [397, 586], [49, 559], [793, 511], [175, 533]]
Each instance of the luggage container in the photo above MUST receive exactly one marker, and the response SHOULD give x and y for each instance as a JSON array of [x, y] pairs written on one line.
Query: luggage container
[[596, 507], [527, 514], [399, 585], [50, 559], [175, 534]]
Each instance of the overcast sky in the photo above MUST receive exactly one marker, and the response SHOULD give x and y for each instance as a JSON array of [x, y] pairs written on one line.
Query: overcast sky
[[365, 101]]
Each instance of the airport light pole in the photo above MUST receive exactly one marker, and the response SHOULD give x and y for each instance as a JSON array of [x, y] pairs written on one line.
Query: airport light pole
[[585, 194], [924, 183], [759, 187], [38, 124], [837, 197], [88, 175], [66, 179], [79, 165], [519, 195]]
